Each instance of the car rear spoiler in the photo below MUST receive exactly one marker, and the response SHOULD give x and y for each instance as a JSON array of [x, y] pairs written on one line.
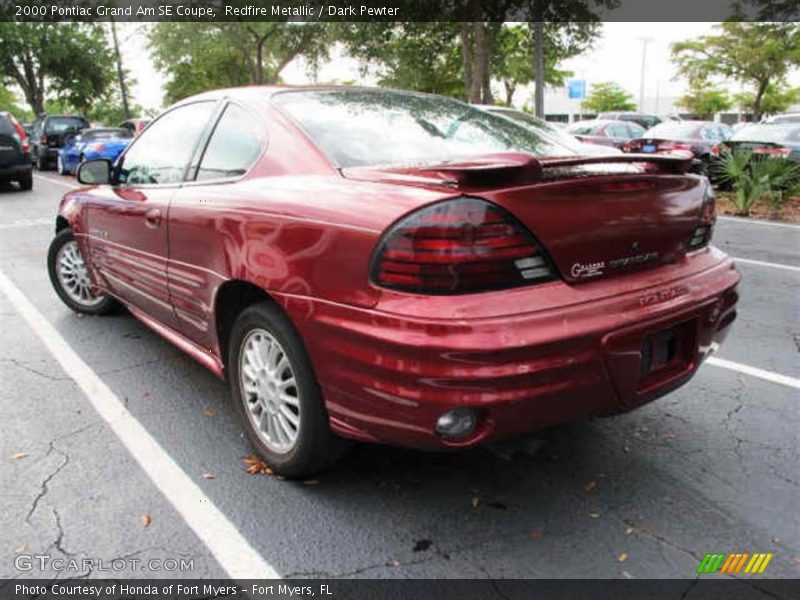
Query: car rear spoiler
[[509, 169]]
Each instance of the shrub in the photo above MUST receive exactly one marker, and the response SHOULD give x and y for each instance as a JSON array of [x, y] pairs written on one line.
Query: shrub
[[754, 178]]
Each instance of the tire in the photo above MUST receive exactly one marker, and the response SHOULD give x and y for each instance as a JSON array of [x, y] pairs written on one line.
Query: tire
[[62, 170], [42, 163], [26, 181], [63, 253], [314, 447]]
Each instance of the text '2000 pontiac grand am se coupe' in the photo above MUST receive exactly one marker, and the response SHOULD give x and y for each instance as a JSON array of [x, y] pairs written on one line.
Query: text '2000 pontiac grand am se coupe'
[[397, 267]]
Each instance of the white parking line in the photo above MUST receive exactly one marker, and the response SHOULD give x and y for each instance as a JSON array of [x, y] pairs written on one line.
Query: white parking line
[[65, 184], [761, 263], [27, 223], [758, 222], [755, 372], [234, 553]]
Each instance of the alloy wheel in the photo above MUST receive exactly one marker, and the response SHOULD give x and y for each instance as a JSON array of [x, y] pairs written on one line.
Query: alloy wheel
[[269, 391], [73, 275]]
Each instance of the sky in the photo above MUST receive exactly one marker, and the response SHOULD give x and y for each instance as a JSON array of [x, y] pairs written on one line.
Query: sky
[[616, 56]]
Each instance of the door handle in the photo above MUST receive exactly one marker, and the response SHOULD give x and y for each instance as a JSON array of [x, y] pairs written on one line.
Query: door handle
[[153, 218]]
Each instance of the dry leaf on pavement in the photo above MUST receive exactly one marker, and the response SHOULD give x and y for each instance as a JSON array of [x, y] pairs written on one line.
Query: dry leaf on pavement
[[18, 455], [590, 486], [146, 519], [209, 413], [208, 476], [256, 466], [622, 557]]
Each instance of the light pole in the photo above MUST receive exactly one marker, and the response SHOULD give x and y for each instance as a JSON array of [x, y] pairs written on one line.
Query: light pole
[[645, 41]]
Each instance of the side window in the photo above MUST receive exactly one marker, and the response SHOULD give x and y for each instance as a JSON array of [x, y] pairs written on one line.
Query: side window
[[161, 154], [233, 148], [634, 131], [617, 130], [711, 134]]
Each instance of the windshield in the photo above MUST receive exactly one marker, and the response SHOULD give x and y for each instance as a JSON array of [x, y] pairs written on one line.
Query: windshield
[[768, 133], [62, 124], [378, 127], [675, 130]]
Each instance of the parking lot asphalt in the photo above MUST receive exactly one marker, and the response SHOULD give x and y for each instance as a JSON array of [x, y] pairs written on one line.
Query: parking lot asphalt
[[712, 467]]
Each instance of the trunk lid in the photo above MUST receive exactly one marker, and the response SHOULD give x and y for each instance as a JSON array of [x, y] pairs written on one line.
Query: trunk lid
[[596, 217]]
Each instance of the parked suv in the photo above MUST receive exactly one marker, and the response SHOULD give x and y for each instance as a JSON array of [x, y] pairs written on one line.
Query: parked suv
[[49, 133], [15, 152]]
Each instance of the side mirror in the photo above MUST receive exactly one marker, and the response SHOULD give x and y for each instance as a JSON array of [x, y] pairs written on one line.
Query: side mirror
[[95, 172]]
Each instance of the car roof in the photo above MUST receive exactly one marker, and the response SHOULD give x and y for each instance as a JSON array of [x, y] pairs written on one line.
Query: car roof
[[255, 92]]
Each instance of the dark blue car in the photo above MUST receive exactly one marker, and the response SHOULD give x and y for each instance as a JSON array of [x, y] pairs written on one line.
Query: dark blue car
[[92, 143]]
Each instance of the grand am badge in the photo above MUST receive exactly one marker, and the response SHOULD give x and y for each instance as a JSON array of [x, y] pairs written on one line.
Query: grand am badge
[[587, 270]]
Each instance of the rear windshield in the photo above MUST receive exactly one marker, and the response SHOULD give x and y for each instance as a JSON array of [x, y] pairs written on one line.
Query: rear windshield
[[768, 133], [105, 134], [674, 130], [62, 124], [377, 127]]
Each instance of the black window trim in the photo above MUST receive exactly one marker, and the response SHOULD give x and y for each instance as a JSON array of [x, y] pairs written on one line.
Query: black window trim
[[174, 184], [200, 153]]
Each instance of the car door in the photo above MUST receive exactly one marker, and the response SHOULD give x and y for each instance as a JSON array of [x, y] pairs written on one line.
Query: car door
[[127, 221], [202, 223]]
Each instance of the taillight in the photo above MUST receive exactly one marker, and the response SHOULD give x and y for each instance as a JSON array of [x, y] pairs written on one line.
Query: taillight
[[23, 137], [784, 152], [457, 247], [674, 146], [701, 236]]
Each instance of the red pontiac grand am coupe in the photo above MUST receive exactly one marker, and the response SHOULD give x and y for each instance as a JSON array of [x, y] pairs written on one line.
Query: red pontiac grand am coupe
[[397, 267]]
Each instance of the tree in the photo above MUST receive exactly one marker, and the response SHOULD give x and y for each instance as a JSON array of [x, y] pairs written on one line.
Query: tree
[[608, 96], [759, 55], [705, 101], [775, 99], [8, 102], [69, 60], [201, 56], [393, 53]]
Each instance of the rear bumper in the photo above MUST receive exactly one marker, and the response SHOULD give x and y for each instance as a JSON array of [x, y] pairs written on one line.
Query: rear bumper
[[14, 171], [524, 359]]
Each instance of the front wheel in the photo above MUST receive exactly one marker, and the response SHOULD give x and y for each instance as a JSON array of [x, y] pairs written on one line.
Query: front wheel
[[277, 395], [70, 277]]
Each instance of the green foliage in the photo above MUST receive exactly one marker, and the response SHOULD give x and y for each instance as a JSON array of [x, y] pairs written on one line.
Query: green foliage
[[201, 56], [9, 102], [68, 61], [411, 55], [758, 55], [776, 99], [705, 101], [758, 178], [608, 96], [513, 53], [394, 51]]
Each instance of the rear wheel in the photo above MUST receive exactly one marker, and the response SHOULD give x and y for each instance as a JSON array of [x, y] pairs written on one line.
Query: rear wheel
[[26, 181], [277, 395], [62, 170], [70, 277], [42, 163]]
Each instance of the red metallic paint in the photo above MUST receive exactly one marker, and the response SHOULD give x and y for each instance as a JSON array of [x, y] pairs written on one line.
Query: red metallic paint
[[389, 363]]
